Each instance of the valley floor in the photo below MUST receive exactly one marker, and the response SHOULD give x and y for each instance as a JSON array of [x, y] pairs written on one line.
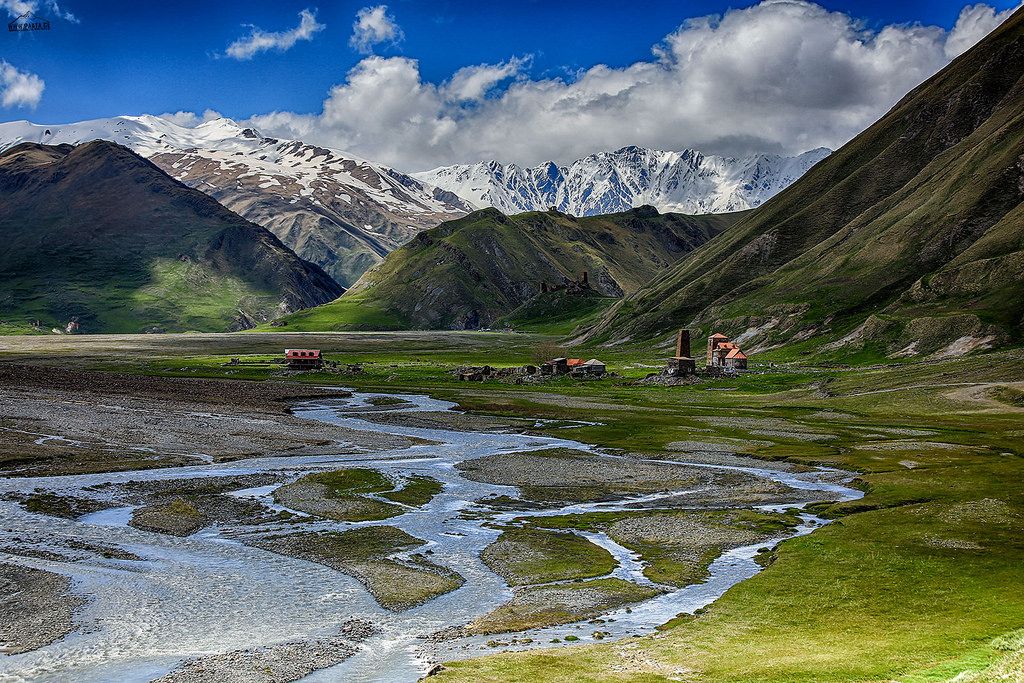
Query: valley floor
[[917, 581]]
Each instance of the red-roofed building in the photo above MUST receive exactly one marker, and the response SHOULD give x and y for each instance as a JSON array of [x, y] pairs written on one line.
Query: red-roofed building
[[723, 353], [303, 359], [736, 359]]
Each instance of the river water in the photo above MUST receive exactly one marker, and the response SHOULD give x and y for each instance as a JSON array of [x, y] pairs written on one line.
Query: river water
[[209, 593]]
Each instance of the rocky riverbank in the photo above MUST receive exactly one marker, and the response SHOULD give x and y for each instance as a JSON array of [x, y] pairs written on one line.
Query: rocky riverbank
[[37, 608]]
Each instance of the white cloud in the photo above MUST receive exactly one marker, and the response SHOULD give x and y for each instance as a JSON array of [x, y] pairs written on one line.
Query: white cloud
[[17, 8], [19, 88], [783, 76], [474, 82], [975, 22], [190, 119], [259, 40], [374, 25]]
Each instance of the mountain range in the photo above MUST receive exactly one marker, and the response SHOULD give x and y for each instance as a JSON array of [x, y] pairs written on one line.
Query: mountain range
[[610, 182], [340, 212], [98, 239], [909, 240], [346, 214]]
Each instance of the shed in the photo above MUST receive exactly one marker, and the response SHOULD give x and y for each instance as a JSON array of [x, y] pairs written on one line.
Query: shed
[[555, 366], [303, 359], [590, 368], [736, 359]]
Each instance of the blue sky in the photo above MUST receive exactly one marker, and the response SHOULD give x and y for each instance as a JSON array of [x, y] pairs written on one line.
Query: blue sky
[[169, 57]]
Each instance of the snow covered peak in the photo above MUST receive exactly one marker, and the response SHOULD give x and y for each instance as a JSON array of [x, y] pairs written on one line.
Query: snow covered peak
[[686, 181]]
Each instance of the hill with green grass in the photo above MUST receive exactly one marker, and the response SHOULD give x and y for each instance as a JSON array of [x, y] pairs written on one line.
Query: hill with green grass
[[471, 272], [98, 235], [908, 240]]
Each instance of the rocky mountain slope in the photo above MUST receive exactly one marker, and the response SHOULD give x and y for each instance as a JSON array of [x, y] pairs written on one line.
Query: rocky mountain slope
[[98, 236], [470, 272], [608, 182], [340, 212], [908, 240]]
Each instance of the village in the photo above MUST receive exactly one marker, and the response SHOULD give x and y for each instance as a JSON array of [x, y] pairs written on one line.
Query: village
[[723, 358]]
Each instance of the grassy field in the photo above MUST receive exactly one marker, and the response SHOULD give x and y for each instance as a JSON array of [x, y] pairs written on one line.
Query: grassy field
[[918, 581]]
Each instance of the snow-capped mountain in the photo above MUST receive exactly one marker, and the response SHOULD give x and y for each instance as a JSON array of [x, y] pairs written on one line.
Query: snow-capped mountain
[[332, 208], [606, 182]]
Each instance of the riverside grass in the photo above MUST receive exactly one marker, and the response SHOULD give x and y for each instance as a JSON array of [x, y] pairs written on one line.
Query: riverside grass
[[914, 582]]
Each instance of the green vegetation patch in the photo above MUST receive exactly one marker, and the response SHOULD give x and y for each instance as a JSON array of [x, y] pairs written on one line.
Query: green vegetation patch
[[1008, 395], [179, 517], [349, 312], [338, 495], [558, 312], [529, 556], [677, 547], [366, 553], [417, 491], [70, 507], [351, 481], [563, 603]]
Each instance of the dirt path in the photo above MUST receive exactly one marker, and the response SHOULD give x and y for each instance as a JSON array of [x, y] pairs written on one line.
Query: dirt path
[[979, 394]]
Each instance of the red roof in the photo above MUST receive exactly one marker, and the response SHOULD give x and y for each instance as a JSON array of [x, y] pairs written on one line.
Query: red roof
[[573, 362], [728, 345], [302, 353], [736, 353]]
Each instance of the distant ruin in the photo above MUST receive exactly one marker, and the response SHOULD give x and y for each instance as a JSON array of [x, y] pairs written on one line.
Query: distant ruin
[[723, 357], [574, 286]]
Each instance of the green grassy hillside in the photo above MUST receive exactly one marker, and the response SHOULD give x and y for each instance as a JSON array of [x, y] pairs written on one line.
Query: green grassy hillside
[[906, 239], [470, 272], [99, 235]]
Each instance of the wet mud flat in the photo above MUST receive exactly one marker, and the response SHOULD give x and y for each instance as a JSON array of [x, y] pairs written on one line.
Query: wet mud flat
[[275, 663], [569, 476], [55, 422]]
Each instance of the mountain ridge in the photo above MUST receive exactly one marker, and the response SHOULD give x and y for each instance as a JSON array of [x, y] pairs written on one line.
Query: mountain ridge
[[470, 272], [97, 235], [686, 181]]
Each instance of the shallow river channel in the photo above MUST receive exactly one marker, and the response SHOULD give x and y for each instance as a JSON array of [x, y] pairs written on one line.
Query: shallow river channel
[[209, 593]]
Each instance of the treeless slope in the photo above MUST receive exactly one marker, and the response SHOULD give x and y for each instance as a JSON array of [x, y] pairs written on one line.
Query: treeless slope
[[915, 222], [469, 272], [99, 234]]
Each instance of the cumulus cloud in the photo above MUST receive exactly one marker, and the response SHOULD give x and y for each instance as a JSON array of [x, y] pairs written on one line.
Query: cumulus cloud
[[259, 40], [19, 88], [373, 26], [190, 119], [783, 76], [975, 22]]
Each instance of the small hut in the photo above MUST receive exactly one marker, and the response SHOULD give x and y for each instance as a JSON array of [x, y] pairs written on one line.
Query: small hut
[[736, 359], [555, 366], [303, 359], [590, 368]]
